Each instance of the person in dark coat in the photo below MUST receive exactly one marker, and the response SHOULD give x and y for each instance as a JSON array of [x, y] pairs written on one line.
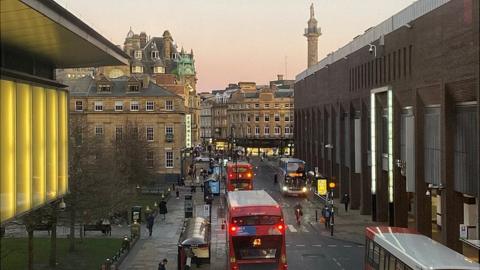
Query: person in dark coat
[[326, 215], [150, 220], [346, 201], [162, 208], [163, 265]]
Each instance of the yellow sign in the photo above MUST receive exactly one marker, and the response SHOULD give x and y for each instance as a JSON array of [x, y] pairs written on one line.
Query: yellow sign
[[331, 185], [322, 186]]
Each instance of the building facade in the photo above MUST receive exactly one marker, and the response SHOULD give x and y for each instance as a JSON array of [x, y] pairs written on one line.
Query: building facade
[[393, 118], [34, 106], [206, 104], [111, 106]]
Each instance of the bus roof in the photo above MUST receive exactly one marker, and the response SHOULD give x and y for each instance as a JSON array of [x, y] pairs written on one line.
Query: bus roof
[[292, 160], [239, 164], [417, 250], [249, 198]]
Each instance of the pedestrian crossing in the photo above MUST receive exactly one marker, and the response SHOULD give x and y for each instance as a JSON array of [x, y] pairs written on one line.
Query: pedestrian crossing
[[297, 229]]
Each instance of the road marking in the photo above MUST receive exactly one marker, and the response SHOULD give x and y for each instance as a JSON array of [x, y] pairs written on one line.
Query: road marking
[[360, 246], [347, 246], [291, 228], [304, 229], [332, 245], [299, 245], [316, 245], [339, 265]]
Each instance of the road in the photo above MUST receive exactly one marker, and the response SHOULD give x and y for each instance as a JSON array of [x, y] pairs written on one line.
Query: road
[[309, 246]]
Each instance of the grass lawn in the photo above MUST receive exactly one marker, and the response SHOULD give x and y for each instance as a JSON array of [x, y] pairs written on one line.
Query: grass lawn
[[89, 254]]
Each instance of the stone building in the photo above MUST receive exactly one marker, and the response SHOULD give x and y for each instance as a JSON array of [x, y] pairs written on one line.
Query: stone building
[[206, 104], [261, 120], [111, 105], [393, 118]]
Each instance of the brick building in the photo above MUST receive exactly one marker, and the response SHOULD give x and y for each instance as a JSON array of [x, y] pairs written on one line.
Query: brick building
[[393, 118]]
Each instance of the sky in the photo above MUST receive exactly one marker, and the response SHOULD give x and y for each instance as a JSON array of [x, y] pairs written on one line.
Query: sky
[[238, 40]]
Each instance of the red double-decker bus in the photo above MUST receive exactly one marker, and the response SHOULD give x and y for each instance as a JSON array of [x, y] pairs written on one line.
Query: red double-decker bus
[[255, 231], [239, 176]]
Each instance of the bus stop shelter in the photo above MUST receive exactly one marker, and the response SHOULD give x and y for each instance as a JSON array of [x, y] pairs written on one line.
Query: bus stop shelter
[[194, 243]]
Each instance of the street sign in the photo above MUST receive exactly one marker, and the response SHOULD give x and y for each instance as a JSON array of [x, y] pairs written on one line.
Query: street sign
[[206, 210], [322, 187]]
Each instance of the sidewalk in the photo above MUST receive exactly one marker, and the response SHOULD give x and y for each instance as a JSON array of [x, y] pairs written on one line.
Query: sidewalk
[[349, 226], [149, 251]]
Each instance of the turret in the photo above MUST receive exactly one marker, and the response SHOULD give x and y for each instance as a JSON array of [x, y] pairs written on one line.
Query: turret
[[312, 32], [167, 45]]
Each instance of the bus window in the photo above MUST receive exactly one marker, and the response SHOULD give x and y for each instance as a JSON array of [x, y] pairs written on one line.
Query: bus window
[[391, 262], [376, 254], [382, 259]]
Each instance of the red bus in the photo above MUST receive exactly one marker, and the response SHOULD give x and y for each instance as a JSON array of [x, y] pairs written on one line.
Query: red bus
[[239, 176], [255, 231], [404, 249]]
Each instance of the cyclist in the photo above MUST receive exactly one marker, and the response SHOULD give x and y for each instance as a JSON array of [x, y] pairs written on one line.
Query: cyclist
[[298, 212]]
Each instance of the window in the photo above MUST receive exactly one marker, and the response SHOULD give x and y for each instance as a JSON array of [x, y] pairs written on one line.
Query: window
[[266, 117], [277, 105], [257, 130], [286, 105], [169, 105], [158, 70], [247, 106], [150, 106], [104, 88], [266, 130], [118, 133], [168, 159], [138, 55], [249, 118], [137, 69], [257, 106], [291, 105], [78, 105], [257, 117], [134, 106], [133, 88], [287, 117], [149, 134], [154, 54], [150, 159], [277, 117], [98, 106], [168, 130], [99, 131], [249, 130], [118, 106], [287, 130], [266, 105], [277, 130]]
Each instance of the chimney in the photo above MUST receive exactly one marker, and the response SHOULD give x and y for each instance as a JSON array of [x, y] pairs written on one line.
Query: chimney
[[146, 81], [280, 77]]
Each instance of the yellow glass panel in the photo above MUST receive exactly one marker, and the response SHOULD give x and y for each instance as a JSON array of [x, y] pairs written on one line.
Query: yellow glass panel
[[7, 149], [52, 144], [62, 143], [24, 147], [38, 145]]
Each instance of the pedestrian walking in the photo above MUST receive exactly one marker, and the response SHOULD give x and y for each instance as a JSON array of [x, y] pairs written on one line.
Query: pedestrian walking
[[346, 201], [150, 220], [163, 208], [163, 265], [326, 215]]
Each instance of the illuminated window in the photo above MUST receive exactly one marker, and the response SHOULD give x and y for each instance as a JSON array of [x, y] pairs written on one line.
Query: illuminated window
[[150, 106], [168, 159], [149, 134], [138, 55], [78, 105], [137, 69], [158, 70], [118, 106], [134, 106], [98, 106], [169, 105]]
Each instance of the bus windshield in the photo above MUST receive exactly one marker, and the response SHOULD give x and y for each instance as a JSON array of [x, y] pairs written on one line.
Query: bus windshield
[[240, 183], [256, 220], [294, 167]]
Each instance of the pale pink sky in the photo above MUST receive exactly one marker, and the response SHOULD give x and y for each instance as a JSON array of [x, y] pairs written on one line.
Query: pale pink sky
[[238, 40]]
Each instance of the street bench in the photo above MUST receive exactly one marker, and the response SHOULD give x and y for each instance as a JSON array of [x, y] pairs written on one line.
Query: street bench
[[105, 229]]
